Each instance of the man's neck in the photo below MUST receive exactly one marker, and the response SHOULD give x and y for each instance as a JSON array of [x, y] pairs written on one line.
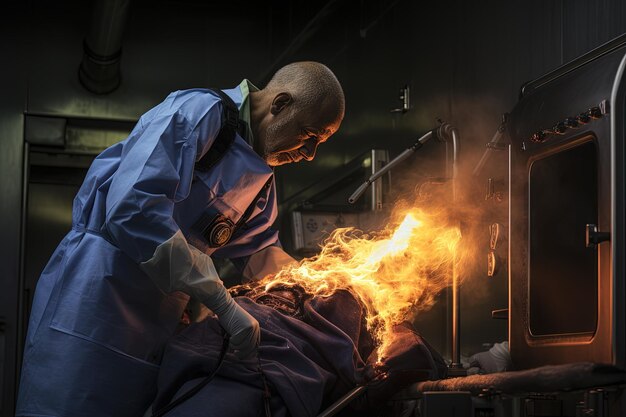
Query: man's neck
[[257, 113]]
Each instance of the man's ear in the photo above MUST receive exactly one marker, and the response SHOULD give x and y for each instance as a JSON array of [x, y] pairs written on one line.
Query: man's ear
[[280, 102]]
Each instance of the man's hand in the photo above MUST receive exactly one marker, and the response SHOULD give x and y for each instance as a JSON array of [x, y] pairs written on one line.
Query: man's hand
[[496, 359], [243, 330]]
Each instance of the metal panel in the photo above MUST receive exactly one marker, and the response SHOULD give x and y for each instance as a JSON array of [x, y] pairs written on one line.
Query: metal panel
[[49, 131], [310, 228]]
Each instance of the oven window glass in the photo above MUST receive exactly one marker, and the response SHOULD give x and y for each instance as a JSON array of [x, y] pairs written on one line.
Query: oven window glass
[[563, 272]]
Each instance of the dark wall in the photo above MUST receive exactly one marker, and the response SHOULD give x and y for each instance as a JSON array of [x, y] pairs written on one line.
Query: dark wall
[[13, 87], [464, 62]]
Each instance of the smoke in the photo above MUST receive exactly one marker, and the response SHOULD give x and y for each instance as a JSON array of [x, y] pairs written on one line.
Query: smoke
[[422, 182]]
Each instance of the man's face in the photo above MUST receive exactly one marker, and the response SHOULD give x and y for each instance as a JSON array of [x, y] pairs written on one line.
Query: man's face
[[292, 135]]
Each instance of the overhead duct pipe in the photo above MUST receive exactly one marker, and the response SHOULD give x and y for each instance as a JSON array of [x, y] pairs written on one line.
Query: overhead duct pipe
[[99, 70]]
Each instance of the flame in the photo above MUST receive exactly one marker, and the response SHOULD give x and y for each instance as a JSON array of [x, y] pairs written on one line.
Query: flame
[[395, 272]]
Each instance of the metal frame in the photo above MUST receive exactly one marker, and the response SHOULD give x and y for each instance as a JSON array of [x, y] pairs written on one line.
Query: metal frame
[[618, 194]]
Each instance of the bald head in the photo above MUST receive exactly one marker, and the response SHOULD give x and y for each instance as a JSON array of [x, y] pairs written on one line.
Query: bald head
[[312, 85], [301, 106]]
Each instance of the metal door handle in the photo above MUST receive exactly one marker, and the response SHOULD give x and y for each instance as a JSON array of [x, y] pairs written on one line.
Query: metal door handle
[[501, 314], [593, 236]]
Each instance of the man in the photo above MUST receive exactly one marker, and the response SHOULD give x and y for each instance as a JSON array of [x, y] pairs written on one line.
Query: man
[[152, 211]]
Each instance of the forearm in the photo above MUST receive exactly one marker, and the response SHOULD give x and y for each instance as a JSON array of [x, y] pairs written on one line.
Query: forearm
[[266, 262]]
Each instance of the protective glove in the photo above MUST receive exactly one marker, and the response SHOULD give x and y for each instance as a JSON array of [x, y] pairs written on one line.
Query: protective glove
[[496, 359], [178, 266], [243, 329]]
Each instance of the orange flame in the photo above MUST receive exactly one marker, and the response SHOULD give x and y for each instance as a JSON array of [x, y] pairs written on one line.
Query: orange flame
[[394, 272]]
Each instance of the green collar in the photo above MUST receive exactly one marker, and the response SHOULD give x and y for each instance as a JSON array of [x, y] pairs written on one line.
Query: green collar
[[244, 111]]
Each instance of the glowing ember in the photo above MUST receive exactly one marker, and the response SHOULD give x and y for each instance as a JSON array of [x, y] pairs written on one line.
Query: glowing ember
[[395, 272]]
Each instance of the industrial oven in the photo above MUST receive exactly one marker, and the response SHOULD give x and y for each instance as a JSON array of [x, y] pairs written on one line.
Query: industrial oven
[[563, 194], [566, 214]]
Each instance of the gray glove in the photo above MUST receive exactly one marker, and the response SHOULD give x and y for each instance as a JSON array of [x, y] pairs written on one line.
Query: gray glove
[[239, 324], [496, 359], [178, 266]]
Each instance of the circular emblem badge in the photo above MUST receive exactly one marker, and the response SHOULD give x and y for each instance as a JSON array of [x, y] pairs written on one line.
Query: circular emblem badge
[[220, 233]]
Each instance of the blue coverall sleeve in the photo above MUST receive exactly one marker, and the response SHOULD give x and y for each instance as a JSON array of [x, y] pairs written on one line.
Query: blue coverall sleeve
[[156, 170]]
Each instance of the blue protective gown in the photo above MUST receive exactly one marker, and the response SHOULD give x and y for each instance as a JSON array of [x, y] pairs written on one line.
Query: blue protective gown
[[99, 324]]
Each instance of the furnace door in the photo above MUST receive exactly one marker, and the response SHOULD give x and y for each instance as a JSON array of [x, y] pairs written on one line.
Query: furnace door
[[563, 272]]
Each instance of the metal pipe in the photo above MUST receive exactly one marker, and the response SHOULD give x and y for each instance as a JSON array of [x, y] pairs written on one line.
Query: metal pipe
[[99, 70], [456, 322], [392, 164], [341, 403], [452, 162], [444, 132], [492, 146]]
